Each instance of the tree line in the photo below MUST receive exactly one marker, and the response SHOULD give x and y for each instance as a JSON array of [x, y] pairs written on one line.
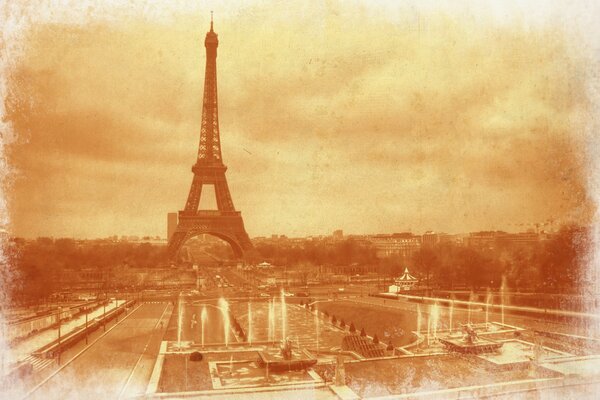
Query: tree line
[[32, 268], [558, 264]]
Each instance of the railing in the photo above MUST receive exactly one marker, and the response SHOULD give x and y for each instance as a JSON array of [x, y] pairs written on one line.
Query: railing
[[55, 347], [24, 327]]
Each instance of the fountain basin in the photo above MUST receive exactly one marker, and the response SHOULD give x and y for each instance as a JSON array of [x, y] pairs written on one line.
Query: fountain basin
[[298, 362], [479, 347], [517, 352]]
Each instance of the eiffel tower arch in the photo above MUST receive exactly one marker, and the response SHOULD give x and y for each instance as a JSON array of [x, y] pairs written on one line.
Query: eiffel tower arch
[[225, 222]]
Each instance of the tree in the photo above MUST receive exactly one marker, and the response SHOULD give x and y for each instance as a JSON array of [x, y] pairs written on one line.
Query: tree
[[425, 260], [563, 259], [304, 270], [375, 339], [362, 332], [352, 327]]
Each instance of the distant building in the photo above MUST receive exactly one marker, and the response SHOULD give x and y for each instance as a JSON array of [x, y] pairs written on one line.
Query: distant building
[[482, 240], [490, 240], [398, 244], [338, 234], [87, 278], [430, 239], [171, 224]]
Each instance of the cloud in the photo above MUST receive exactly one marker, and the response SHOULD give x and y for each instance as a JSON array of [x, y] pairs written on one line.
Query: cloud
[[329, 118]]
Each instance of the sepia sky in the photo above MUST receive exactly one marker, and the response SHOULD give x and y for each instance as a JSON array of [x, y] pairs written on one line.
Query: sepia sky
[[367, 118]]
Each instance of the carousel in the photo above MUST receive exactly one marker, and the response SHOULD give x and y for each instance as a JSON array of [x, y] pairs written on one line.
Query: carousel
[[404, 282]]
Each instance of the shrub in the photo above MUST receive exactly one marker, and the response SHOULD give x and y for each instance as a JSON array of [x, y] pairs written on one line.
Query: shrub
[[352, 327], [333, 320], [390, 346], [375, 339], [362, 332]]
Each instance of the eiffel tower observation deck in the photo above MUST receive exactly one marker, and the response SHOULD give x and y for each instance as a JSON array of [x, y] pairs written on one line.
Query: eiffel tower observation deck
[[225, 222]]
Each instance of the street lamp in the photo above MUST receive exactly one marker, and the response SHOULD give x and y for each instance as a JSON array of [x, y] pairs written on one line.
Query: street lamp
[[87, 310], [104, 317], [59, 315]]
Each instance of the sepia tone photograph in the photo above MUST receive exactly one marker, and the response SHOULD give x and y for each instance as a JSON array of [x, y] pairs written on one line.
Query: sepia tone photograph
[[266, 199]]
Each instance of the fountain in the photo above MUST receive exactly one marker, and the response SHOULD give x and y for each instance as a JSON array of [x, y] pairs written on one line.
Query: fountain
[[271, 323], [488, 300], [419, 318], [502, 294], [203, 318], [469, 307], [286, 360], [179, 320], [435, 316], [470, 343], [224, 306], [536, 356], [317, 328], [283, 316], [538, 348], [429, 329], [451, 314]]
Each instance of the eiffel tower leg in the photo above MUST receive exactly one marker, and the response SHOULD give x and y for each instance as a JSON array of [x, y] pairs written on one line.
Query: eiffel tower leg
[[175, 244]]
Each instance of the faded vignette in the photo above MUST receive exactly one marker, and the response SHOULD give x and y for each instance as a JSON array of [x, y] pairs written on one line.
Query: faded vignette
[[564, 148]]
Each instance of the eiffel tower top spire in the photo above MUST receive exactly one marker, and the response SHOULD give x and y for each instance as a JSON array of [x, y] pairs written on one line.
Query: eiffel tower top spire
[[209, 151]]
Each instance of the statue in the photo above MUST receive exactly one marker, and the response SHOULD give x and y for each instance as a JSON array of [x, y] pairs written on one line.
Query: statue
[[470, 335], [340, 371], [286, 349]]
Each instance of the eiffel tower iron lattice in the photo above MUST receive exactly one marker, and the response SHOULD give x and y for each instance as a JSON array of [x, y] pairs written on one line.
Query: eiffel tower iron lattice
[[225, 223]]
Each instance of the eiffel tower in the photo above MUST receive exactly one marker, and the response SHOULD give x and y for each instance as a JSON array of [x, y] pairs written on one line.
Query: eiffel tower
[[225, 223]]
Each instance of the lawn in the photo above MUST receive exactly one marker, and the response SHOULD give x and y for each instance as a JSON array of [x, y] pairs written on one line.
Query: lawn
[[388, 324], [417, 374], [173, 377], [179, 374]]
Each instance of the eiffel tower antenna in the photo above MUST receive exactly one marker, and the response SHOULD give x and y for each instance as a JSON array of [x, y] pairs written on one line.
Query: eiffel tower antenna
[[225, 223]]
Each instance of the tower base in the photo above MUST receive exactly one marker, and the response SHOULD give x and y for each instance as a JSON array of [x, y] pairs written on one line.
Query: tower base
[[227, 226]]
